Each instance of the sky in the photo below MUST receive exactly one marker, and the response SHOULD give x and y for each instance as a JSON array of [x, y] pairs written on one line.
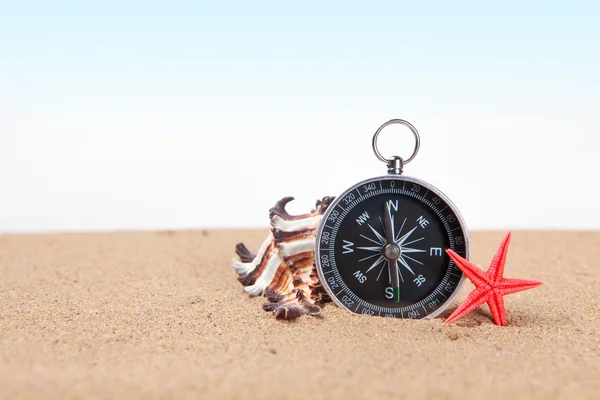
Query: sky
[[192, 115]]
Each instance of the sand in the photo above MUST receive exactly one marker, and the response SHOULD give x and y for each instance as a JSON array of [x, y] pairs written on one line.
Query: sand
[[161, 315]]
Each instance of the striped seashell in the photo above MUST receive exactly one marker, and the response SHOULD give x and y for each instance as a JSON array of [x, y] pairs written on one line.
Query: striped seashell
[[283, 269]]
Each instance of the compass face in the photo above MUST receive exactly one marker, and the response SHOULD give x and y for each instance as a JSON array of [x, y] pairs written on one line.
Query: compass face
[[359, 248]]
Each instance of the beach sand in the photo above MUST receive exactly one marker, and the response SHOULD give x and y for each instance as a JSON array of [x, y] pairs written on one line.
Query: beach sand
[[161, 315]]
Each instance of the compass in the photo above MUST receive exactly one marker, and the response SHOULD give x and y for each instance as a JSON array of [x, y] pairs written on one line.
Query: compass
[[381, 245]]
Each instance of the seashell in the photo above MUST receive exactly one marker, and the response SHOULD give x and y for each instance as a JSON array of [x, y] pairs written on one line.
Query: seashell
[[283, 270]]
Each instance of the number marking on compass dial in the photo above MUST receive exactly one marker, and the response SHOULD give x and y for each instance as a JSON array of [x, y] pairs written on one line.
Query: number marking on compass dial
[[357, 257]]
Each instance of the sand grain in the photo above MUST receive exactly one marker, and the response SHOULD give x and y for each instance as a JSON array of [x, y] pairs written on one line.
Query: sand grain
[[161, 315]]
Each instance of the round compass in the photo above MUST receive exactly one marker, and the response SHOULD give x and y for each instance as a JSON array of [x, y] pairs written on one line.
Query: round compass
[[381, 245]]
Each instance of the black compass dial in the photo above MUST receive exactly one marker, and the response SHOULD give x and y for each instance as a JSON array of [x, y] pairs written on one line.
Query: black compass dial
[[381, 249]]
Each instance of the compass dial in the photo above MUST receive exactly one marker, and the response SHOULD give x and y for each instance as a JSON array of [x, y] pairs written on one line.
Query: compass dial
[[381, 248]]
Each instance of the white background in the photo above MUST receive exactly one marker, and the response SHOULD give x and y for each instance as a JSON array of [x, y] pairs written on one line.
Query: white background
[[194, 115], [102, 172]]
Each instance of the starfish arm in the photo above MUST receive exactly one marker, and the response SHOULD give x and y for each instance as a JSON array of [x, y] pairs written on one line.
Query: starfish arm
[[491, 286], [496, 269], [508, 286], [476, 275], [496, 304], [476, 298]]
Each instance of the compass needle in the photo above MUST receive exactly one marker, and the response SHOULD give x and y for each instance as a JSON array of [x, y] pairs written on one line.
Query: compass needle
[[396, 289], [395, 224], [391, 251], [388, 226]]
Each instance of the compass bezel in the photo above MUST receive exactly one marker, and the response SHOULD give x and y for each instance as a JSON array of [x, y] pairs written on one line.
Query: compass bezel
[[459, 218]]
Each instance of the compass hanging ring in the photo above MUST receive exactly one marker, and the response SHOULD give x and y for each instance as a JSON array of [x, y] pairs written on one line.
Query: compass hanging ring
[[396, 163]]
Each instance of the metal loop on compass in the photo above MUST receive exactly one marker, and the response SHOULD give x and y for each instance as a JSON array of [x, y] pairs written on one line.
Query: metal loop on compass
[[394, 160]]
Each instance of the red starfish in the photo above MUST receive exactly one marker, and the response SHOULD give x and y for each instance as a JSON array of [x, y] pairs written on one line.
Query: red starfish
[[490, 286]]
